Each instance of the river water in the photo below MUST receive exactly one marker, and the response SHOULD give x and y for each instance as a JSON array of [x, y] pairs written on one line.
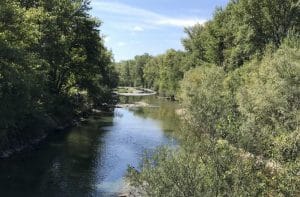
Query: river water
[[91, 159]]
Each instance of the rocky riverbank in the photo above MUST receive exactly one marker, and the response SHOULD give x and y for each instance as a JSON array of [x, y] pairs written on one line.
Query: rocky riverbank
[[133, 91]]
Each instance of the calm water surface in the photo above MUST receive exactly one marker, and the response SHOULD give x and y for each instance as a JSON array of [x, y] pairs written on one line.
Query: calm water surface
[[90, 160]]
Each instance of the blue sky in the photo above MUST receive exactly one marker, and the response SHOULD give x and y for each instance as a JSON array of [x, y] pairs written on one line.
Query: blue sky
[[133, 27]]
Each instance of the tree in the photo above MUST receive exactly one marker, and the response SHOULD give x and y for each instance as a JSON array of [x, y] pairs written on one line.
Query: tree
[[151, 72], [171, 72], [242, 30], [52, 63]]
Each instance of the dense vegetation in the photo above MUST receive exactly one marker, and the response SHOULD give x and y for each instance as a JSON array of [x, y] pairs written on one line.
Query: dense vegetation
[[237, 34], [53, 66], [161, 73], [238, 82]]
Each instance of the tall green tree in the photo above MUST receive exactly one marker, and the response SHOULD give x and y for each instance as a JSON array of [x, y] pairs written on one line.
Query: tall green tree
[[52, 63]]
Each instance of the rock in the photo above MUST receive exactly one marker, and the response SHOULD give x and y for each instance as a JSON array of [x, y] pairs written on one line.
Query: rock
[[124, 195]]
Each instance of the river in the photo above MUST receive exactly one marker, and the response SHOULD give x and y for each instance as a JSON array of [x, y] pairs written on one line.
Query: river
[[91, 159]]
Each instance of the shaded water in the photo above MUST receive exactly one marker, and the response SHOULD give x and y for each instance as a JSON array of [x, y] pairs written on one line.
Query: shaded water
[[90, 160]]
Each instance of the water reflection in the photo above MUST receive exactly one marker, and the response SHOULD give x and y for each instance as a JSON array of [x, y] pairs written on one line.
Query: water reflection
[[164, 113], [89, 160]]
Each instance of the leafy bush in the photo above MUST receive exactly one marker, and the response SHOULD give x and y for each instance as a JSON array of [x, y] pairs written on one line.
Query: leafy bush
[[242, 132]]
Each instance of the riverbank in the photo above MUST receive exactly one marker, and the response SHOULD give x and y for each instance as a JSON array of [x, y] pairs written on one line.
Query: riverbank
[[15, 142], [134, 91]]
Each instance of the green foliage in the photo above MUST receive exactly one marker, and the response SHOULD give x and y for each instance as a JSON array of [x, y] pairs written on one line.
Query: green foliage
[[242, 30], [131, 72], [19, 91], [237, 34], [243, 137], [203, 97], [161, 73], [50, 53], [151, 72], [206, 168], [269, 99], [170, 73], [240, 97]]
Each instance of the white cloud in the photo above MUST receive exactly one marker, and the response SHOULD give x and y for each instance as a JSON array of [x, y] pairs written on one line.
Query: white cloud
[[180, 22], [145, 17], [121, 44], [138, 28]]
